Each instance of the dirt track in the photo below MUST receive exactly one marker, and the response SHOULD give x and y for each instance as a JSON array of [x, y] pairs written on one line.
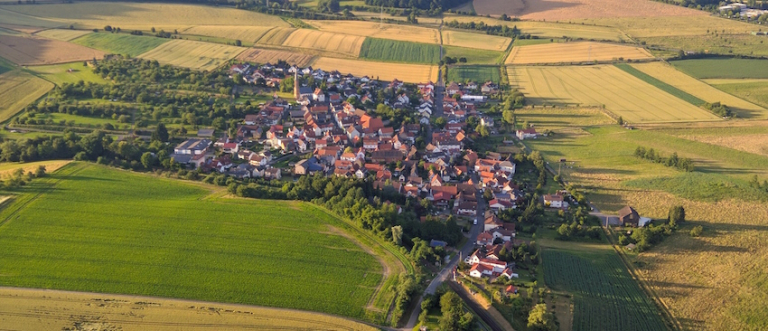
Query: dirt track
[[35, 309]]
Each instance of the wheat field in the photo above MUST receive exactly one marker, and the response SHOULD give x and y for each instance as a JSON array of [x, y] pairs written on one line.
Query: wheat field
[[275, 37], [17, 90], [62, 34], [411, 73], [383, 31], [325, 41], [256, 55], [475, 40], [193, 54], [247, 34], [604, 86], [35, 50], [668, 74], [574, 52]]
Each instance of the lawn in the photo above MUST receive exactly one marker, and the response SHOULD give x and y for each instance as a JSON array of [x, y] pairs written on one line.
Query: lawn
[[479, 74], [399, 51], [723, 68], [159, 237], [66, 73], [120, 43]]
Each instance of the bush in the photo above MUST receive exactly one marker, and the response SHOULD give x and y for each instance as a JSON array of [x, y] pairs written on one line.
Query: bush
[[696, 231]]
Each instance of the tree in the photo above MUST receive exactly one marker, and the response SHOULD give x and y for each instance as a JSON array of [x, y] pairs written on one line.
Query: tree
[[161, 133], [451, 307], [508, 116], [488, 195], [440, 122], [697, 230], [40, 171], [540, 319], [676, 215], [147, 160], [482, 130], [397, 235], [620, 121], [238, 43]]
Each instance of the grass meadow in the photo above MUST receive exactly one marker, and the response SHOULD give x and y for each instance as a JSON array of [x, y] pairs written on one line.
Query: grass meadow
[[246, 34], [474, 56], [723, 68], [755, 92], [62, 34], [399, 51], [479, 74], [120, 43], [17, 90], [66, 73], [119, 232]]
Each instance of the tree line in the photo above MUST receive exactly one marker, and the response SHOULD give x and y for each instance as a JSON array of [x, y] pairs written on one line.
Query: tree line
[[498, 30], [673, 161]]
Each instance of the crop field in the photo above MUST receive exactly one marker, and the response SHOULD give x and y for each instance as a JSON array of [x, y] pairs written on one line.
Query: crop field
[[549, 29], [276, 36], [50, 166], [66, 73], [574, 52], [399, 51], [17, 90], [604, 86], [141, 16], [62, 34], [246, 34], [673, 90], [120, 43], [411, 73], [479, 74], [561, 118], [576, 9], [193, 54], [382, 31], [726, 45], [61, 310], [325, 41], [756, 92], [475, 40], [473, 55], [257, 55], [724, 68], [19, 22], [33, 51], [602, 287], [699, 89], [727, 299], [160, 237]]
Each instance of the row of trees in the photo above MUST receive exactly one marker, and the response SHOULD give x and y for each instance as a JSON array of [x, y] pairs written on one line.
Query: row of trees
[[499, 30], [684, 164], [719, 109]]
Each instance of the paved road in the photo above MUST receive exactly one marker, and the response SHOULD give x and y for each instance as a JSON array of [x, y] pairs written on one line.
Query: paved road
[[467, 249]]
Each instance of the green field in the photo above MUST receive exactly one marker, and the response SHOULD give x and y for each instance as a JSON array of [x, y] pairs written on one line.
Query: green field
[[661, 85], [66, 73], [120, 232], [604, 294], [5, 66], [701, 187], [473, 55], [755, 92], [723, 68], [479, 74], [120, 43], [399, 51]]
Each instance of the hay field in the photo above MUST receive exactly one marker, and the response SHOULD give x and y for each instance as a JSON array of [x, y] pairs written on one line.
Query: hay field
[[246, 34], [756, 92], [574, 52], [660, 26], [193, 54], [475, 40], [411, 73], [62, 34], [563, 117], [143, 16], [275, 36], [32, 51], [17, 90], [549, 29], [32, 309], [619, 92], [120, 43], [257, 55], [21, 22], [325, 41], [574, 9], [385, 31], [667, 74]]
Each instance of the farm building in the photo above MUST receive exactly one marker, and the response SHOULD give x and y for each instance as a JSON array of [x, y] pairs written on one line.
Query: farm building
[[526, 134], [628, 216]]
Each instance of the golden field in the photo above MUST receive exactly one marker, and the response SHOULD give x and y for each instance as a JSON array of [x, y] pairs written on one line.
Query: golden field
[[383, 31], [475, 40], [549, 29], [246, 34], [257, 55], [604, 86], [411, 73], [575, 9], [142, 16], [574, 52], [193, 54], [325, 41], [62, 34], [35, 50], [17, 90], [275, 36], [668, 74], [33, 309]]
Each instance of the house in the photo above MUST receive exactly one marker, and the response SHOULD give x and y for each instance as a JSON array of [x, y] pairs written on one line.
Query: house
[[307, 166], [467, 208], [504, 234], [497, 204], [480, 270], [272, 173], [388, 156], [509, 273], [553, 200], [492, 222], [628, 216], [526, 134], [485, 238], [511, 289], [452, 89], [318, 95], [251, 119], [230, 148], [192, 152], [507, 166]]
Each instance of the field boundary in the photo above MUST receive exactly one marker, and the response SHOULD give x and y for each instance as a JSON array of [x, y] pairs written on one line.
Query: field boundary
[[687, 97]]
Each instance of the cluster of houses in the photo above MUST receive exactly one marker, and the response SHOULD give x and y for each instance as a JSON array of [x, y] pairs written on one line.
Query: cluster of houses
[[742, 10]]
